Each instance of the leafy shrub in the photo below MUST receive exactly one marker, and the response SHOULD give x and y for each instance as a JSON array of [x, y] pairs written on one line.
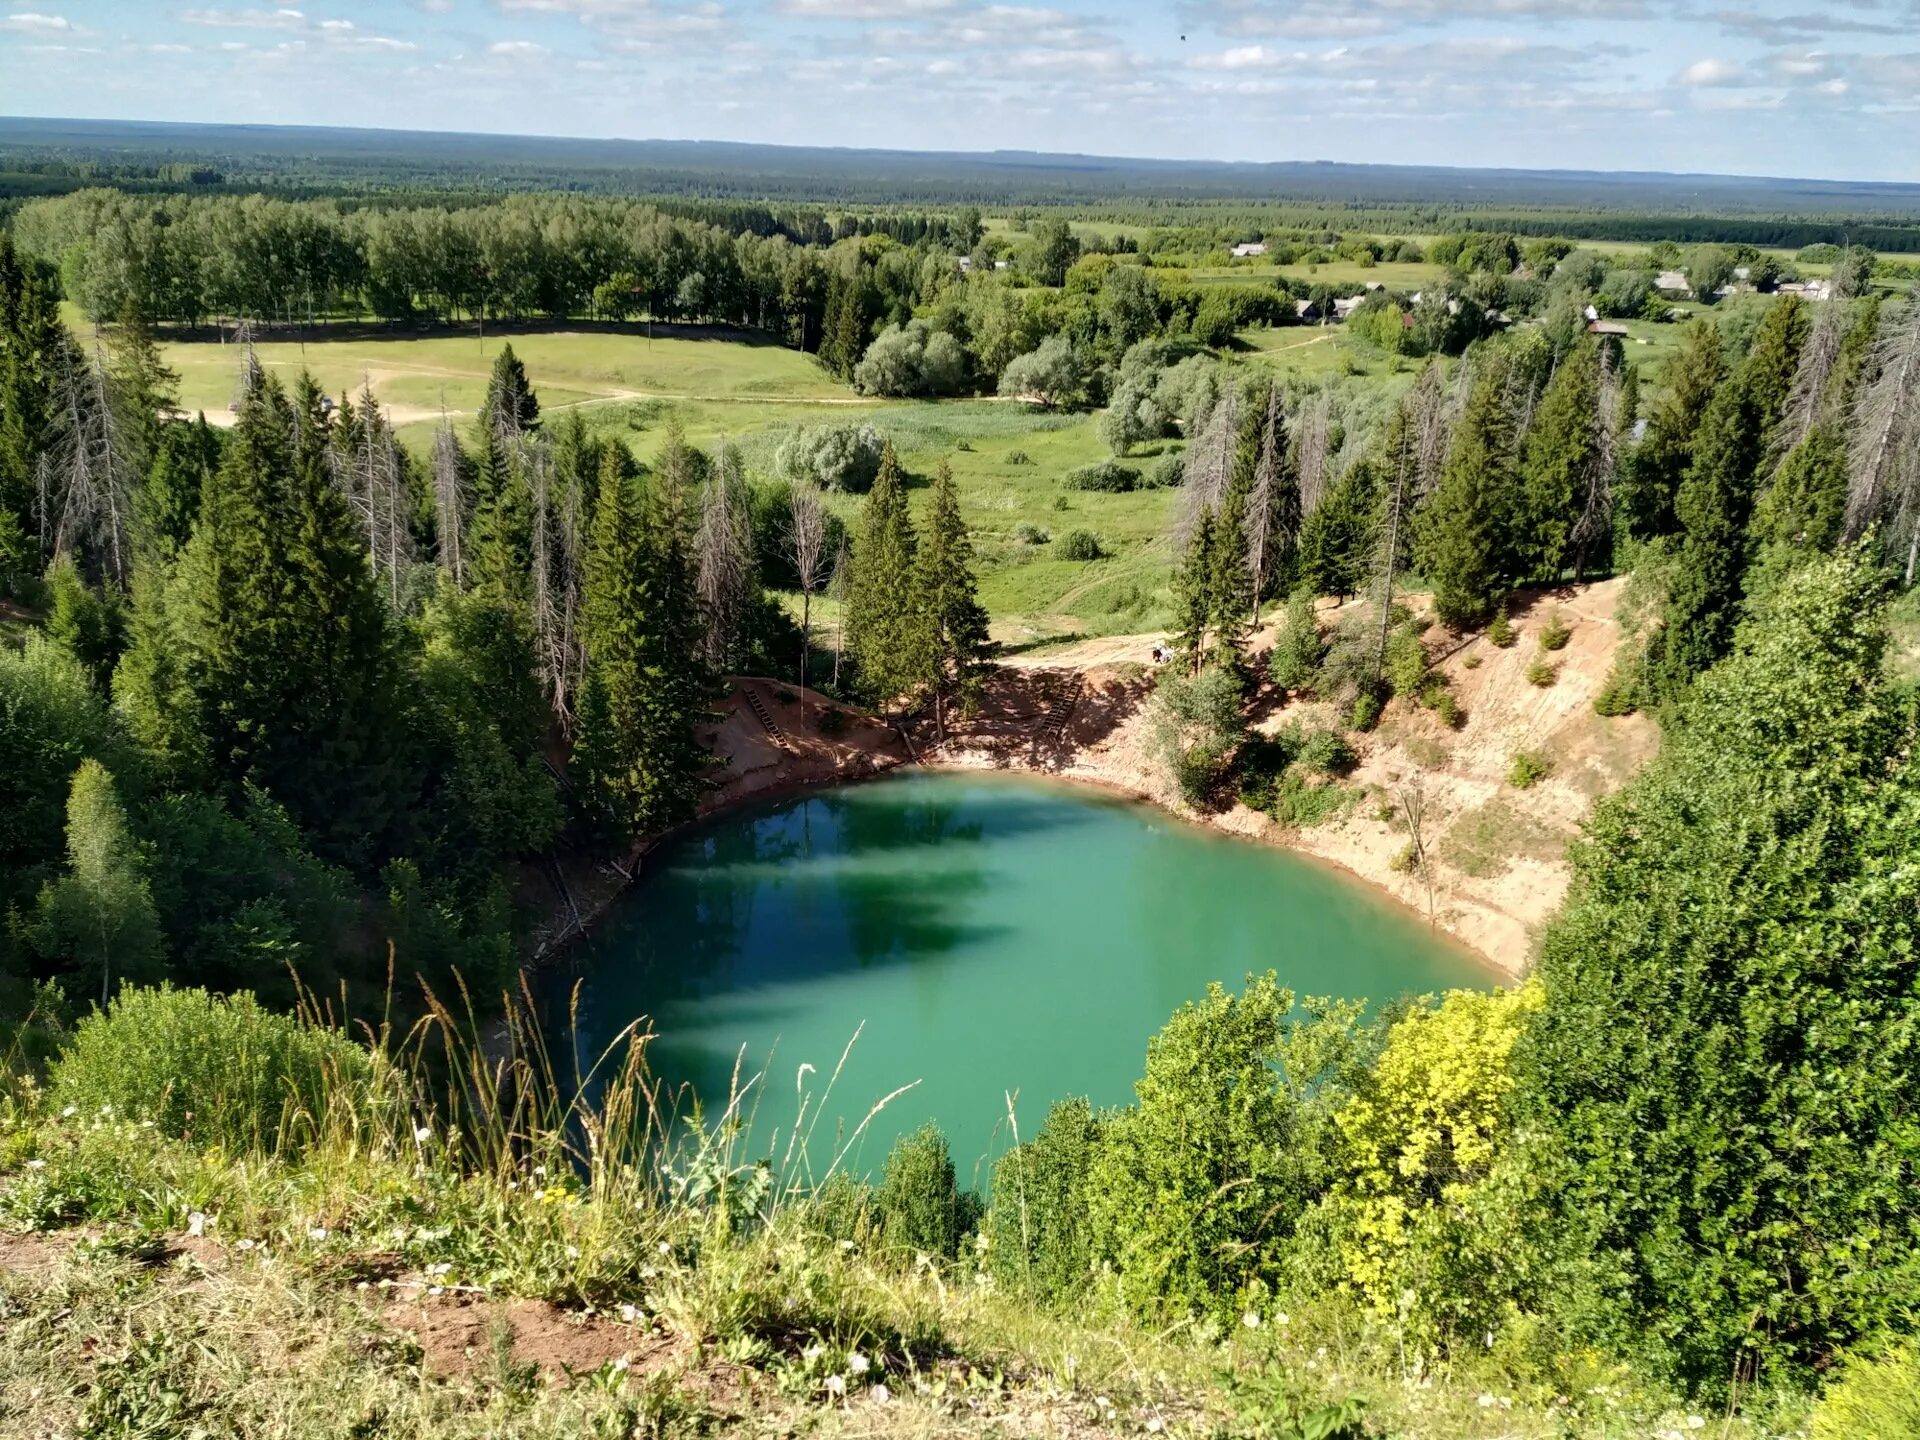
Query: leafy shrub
[[1366, 711], [1327, 752], [1405, 860], [1106, 476], [835, 457], [1421, 1135], [1299, 804], [1169, 472], [1473, 661], [1299, 648], [1447, 708], [1018, 457], [1556, 633], [1037, 1228], [1529, 767], [832, 721], [219, 1070], [1542, 673], [1028, 533], [1877, 1395], [1406, 662], [1197, 723], [842, 1209], [1080, 545], [1622, 693], [918, 1206], [1501, 631], [1196, 1187]]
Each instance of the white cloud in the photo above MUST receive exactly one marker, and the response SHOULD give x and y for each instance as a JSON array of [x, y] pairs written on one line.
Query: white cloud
[[1712, 71], [862, 9], [246, 19], [28, 23], [516, 49]]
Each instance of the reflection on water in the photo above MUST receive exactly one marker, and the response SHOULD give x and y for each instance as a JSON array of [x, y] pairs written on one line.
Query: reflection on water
[[994, 935]]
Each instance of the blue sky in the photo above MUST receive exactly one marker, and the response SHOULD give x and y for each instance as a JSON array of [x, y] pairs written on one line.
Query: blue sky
[[1778, 87]]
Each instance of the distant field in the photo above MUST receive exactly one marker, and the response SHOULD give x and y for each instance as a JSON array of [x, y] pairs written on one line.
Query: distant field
[[722, 386]]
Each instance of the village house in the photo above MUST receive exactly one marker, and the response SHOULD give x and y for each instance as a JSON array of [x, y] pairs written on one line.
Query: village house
[[1672, 282], [1248, 250]]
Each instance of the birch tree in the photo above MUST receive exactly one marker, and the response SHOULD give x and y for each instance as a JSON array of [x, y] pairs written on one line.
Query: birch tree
[[807, 539]]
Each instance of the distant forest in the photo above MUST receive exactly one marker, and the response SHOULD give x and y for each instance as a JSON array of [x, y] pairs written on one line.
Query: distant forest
[[49, 157]]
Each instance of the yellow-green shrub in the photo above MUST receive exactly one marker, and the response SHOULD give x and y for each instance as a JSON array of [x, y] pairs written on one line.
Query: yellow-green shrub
[[1878, 1396], [1418, 1140]]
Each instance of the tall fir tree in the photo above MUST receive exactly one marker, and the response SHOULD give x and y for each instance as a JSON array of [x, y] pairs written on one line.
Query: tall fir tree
[[1461, 541], [1193, 592], [1229, 579], [32, 345], [1337, 538], [952, 622], [1714, 504], [1650, 482], [640, 764], [880, 615], [1559, 449]]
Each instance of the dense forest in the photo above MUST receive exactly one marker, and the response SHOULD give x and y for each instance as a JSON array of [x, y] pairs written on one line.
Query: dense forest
[[296, 709]]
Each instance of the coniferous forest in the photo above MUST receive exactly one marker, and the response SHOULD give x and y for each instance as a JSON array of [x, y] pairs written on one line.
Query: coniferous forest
[[297, 719]]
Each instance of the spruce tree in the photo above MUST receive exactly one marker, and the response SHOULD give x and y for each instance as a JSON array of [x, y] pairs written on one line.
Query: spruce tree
[[1553, 474], [1650, 483], [292, 670], [1773, 359], [168, 503], [1715, 501], [1193, 592], [1805, 505], [880, 616], [636, 752], [141, 384], [1229, 580], [1337, 539], [952, 624], [1461, 540], [509, 413], [32, 344]]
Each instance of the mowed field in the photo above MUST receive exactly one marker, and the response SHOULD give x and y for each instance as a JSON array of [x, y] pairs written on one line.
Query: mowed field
[[732, 387]]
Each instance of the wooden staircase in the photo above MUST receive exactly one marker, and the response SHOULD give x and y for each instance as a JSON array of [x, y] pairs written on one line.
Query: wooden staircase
[[767, 722]]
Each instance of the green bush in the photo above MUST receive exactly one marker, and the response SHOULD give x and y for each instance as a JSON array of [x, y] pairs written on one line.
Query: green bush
[[1019, 457], [1108, 476], [1529, 767], [918, 1206], [1080, 545], [1169, 472], [1037, 1228], [1877, 1396], [1366, 711], [1196, 1187], [1327, 752], [1501, 631], [832, 721], [1542, 673], [1299, 804], [1556, 634], [1028, 533], [217, 1070], [1447, 708], [1299, 648]]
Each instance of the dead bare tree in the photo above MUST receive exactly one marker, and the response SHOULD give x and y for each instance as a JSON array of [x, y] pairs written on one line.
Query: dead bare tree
[[1312, 462], [1209, 469], [1602, 463], [1882, 464], [1387, 559], [1434, 409], [1807, 401], [807, 537], [1412, 799], [1273, 504], [376, 486], [723, 555], [452, 502], [88, 483], [251, 374]]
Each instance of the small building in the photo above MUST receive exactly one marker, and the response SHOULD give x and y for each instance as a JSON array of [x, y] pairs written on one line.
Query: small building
[[1344, 307], [1306, 310], [1606, 327], [1807, 289], [1672, 282], [1249, 250], [966, 264], [1591, 313]]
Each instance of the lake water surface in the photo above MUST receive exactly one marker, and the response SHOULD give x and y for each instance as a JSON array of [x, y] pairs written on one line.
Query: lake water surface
[[986, 934]]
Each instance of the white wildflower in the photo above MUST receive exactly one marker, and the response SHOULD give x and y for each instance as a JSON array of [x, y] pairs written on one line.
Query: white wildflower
[[1280, 1317], [244, 1245], [836, 1384], [664, 1248], [881, 1395], [1486, 1402], [317, 1233], [69, 1112], [629, 1314], [857, 1364], [196, 1224], [573, 1252], [846, 1245], [422, 1134], [1156, 1425], [812, 1353], [1251, 1320], [36, 1164]]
